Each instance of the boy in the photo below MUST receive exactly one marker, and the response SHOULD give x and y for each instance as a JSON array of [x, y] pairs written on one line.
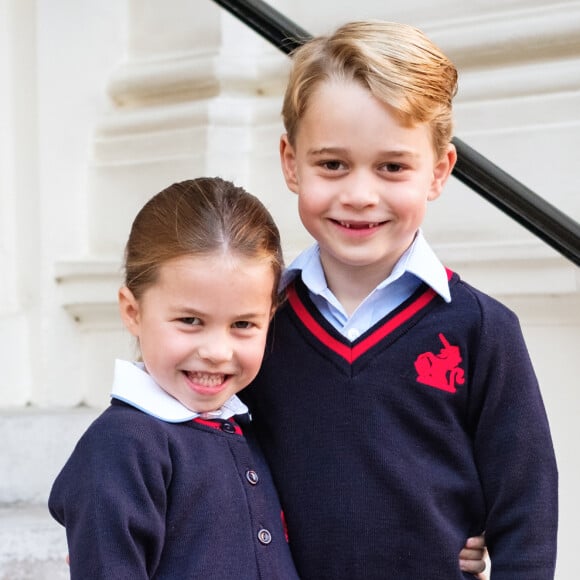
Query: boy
[[396, 404]]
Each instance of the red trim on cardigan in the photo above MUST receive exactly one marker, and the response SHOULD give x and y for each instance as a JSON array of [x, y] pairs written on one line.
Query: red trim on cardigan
[[217, 424]]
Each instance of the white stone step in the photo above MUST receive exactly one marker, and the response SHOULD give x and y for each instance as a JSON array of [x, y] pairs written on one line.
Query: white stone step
[[32, 544], [35, 445]]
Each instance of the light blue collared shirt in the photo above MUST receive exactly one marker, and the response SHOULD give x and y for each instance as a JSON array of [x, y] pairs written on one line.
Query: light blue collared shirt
[[133, 385], [418, 264]]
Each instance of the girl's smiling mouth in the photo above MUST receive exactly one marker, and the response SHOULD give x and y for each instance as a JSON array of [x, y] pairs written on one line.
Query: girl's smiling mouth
[[202, 381]]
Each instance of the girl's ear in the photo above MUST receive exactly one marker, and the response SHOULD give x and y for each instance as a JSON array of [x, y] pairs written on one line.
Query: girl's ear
[[288, 161], [129, 310], [442, 171]]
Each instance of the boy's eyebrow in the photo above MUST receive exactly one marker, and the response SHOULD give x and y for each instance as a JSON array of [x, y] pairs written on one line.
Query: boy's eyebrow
[[345, 151], [327, 150]]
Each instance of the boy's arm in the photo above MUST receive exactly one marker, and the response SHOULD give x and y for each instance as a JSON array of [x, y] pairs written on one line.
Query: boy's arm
[[111, 498], [514, 452]]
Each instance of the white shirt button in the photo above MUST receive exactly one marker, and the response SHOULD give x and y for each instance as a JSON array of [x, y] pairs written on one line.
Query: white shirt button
[[353, 333]]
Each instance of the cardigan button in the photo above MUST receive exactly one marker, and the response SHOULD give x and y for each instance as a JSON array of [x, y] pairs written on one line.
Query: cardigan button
[[228, 427], [252, 476], [264, 536]]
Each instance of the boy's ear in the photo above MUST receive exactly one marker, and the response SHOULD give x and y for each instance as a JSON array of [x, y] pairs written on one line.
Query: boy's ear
[[288, 161], [442, 171], [129, 310]]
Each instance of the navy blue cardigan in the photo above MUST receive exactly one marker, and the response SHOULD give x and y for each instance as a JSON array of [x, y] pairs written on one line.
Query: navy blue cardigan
[[142, 498], [390, 451]]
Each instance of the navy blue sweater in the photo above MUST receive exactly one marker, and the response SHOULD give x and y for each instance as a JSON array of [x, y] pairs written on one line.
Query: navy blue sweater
[[142, 498], [390, 451]]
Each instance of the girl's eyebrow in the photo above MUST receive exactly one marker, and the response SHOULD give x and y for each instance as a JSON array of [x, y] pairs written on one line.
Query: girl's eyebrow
[[189, 312], [186, 310]]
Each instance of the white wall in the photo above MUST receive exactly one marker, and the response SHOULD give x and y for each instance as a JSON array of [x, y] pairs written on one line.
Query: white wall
[[104, 102]]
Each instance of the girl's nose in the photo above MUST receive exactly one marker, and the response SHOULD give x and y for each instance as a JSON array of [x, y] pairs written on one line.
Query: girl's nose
[[216, 349]]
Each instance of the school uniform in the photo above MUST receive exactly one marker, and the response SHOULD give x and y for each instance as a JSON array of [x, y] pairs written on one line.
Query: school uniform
[[153, 490], [389, 450]]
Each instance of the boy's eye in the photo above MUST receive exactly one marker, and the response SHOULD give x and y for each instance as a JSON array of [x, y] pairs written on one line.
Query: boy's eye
[[332, 165], [393, 167], [190, 321], [243, 324]]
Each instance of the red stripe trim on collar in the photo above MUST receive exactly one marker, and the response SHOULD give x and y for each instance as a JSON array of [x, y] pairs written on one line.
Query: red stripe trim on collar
[[350, 354], [217, 424]]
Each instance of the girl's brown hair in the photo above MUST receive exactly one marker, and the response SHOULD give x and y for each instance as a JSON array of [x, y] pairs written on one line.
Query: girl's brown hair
[[199, 217], [396, 62]]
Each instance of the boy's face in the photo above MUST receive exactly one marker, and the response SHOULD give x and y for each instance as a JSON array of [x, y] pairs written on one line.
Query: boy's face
[[202, 326], [362, 178]]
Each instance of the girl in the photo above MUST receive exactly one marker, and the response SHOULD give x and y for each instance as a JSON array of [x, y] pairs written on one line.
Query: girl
[[168, 482]]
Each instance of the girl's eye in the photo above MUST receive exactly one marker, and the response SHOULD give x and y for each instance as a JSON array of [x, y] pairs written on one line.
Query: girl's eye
[[393, 167], [190, 321], [243, 324]]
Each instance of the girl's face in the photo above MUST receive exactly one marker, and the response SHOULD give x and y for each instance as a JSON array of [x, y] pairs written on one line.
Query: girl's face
[[202, 326]]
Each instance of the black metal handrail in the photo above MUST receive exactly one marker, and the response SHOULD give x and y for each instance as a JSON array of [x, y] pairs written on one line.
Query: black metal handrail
[[487, 179]]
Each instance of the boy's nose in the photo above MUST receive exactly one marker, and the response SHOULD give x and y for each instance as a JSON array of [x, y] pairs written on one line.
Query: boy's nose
[[359, 192]]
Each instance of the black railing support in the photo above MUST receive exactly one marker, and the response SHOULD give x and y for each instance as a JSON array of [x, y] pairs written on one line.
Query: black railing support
[[268, 23], [487, 179]]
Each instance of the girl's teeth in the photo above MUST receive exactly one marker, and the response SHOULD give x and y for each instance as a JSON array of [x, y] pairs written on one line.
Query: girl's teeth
[[207, 380]]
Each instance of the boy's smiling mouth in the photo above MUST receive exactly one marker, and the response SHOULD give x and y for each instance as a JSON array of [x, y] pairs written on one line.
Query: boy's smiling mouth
[[358, 225]]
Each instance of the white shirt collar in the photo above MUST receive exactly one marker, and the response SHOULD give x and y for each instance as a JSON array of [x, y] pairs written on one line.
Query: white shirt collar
[[419, 260], [134, 386], [422, 261]]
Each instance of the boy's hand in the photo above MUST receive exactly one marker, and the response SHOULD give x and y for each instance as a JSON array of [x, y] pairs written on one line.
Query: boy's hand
[[473, 557]]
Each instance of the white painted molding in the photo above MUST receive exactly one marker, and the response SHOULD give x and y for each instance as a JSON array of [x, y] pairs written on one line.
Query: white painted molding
[[560, 312], [226, 109], [188, 76], [88, 292], [503, 54], [524, 79], [542, 33], [512, 269], [183, 131], [514, 53], [195, 75]]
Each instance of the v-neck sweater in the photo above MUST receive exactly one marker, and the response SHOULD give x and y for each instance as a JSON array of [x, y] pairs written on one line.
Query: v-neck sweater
[[389, 451]]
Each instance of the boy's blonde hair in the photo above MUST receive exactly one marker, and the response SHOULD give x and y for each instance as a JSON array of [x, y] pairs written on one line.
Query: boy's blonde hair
[[396, 62]]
